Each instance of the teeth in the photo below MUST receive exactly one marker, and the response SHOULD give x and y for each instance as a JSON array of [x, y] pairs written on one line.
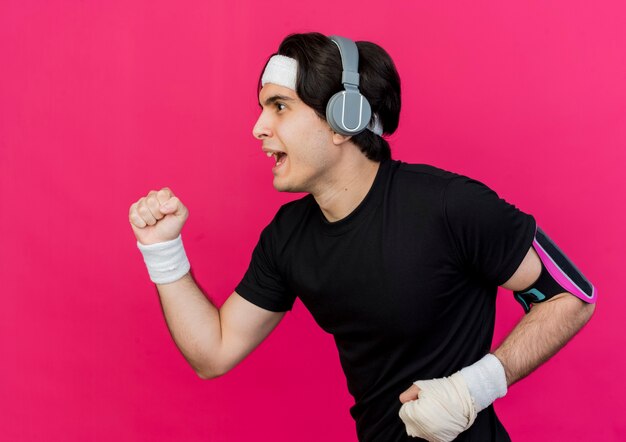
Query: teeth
[[276, 155]]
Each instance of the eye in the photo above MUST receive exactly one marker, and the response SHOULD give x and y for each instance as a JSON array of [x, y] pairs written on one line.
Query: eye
[[280, 106]]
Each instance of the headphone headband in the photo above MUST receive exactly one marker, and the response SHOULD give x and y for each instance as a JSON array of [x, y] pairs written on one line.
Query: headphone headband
[[349, 60]]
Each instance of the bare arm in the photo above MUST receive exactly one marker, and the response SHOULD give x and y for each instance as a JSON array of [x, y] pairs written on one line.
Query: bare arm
[[212, 340], [544, 330]]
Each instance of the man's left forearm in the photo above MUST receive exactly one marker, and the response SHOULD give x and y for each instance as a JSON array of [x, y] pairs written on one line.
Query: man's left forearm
[[458, 398], [541, 333]]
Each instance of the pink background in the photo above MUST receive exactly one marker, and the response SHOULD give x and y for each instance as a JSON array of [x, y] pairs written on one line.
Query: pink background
[[101, 102]]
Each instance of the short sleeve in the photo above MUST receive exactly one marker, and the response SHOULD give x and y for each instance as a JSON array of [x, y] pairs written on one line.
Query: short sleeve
[[490, 235], [262, 283]]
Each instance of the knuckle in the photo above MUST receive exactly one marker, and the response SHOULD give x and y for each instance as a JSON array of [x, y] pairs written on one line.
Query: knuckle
[[151, 201], [163, 195], [144, 212], [136, 220]]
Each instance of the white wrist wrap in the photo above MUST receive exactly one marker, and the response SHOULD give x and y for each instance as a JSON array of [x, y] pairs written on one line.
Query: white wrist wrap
[[485, 380], [166, 261], [443, 410]]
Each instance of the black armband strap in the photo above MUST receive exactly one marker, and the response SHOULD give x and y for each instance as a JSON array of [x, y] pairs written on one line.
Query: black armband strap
[[558, 275]]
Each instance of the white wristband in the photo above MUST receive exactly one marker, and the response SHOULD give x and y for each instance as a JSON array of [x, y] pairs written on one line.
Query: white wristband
[[166, 261], [485, 380]]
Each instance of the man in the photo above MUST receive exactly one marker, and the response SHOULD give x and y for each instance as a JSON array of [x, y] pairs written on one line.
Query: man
[[399, 262]]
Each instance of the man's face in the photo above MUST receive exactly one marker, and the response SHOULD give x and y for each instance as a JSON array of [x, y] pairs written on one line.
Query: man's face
[[301, 143]]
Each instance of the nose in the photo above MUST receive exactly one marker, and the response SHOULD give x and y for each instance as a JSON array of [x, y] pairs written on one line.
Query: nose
[[261, 128]]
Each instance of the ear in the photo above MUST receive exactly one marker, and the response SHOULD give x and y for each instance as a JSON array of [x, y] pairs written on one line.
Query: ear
[[339, 139]]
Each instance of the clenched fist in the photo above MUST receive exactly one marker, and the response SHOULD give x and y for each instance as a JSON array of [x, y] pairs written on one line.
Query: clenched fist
[[157, 217]]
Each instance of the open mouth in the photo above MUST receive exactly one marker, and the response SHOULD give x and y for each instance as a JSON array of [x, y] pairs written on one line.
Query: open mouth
[[279, 157]]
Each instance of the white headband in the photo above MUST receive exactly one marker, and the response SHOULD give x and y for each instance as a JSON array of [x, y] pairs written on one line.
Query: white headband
[[283, 71]]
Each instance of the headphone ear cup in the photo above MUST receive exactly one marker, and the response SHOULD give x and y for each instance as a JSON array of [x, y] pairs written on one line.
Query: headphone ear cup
[[348, 112], [334, 107]]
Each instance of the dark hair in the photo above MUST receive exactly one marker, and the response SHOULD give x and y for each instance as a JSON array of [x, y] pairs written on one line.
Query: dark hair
[[319, 78]]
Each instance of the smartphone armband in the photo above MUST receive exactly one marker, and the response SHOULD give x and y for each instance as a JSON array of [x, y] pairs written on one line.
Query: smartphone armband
[[558, 275]]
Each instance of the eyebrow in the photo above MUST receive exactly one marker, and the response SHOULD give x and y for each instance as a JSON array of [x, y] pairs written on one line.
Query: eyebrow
[[273, 99]]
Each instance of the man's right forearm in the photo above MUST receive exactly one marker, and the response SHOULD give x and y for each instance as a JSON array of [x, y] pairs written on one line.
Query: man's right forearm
[[212, 340], [194, 324]]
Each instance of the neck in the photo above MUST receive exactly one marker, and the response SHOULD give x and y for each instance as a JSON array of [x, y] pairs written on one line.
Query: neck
[[353, 180]]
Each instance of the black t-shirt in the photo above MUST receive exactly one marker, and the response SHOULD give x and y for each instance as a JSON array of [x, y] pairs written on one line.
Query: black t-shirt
[[406, 283]]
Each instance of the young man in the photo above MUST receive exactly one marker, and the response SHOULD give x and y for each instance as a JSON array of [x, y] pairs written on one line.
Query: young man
[[399, 262]]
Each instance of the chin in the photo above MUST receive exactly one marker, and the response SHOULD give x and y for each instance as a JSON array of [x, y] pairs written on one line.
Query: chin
[[285, 187], [279, 186]]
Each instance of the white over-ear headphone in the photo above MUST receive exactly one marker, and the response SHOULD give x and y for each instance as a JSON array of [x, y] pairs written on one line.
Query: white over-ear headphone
[[348, 112]]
